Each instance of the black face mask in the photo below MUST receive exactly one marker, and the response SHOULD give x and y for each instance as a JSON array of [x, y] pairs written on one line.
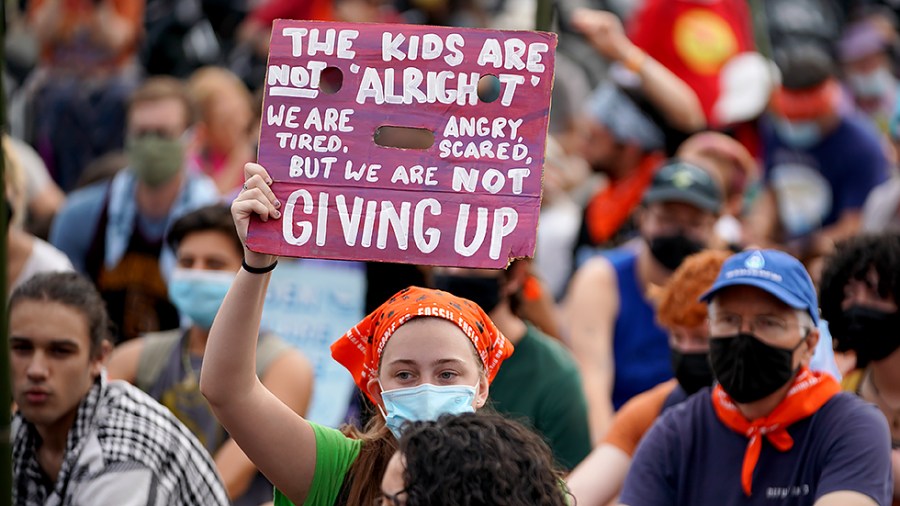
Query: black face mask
[[874, 334], [482, 290], [749, 369], [692, 370], [671, 250]]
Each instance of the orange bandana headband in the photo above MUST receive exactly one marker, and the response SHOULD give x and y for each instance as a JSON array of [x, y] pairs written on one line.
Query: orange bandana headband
[[806, 104], [360, 349]]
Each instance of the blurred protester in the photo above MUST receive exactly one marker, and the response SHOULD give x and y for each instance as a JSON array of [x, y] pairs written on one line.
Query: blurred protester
[[248, 59], [77, 437], [552, 402], [27, 255], [470, 460], [860, 293], [821, 161], [560, 216], [166, 365], [43, 197], [86, 71], [739, 174], [770, 428], [620, 349], [113, 231], [221, 138], [597, 480], [184, 35], [624, 139], [882, 208], [866, 61], [810, 23], [694, 39]]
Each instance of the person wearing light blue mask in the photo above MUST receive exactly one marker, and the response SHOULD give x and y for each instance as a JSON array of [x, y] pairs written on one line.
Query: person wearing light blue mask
[[821, 160], [425, 402], [864, 51], [418, 336], [166, 365]]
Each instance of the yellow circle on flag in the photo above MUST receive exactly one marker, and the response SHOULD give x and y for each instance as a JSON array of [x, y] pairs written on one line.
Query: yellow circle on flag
[[704, 40]]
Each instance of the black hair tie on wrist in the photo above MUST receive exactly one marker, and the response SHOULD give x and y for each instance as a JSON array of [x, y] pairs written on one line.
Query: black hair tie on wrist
[[258, 270]]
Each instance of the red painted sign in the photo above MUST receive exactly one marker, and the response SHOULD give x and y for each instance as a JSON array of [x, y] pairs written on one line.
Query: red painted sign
[[469, 198]]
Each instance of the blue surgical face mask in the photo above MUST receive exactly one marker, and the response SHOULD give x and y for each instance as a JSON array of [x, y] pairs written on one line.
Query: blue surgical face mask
[[198, 293], [425, 402], [798, 134]]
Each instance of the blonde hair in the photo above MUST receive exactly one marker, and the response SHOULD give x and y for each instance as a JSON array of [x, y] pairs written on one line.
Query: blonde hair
[[208, 84]]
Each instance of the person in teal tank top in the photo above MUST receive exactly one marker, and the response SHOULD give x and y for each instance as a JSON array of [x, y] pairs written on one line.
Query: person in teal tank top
[[423, 353]]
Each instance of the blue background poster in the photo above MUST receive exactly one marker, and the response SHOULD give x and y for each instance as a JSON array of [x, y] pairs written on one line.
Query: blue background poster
[[311, 303]]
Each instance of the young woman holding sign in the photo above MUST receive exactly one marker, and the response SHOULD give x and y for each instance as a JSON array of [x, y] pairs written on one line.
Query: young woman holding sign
[[423, 353]]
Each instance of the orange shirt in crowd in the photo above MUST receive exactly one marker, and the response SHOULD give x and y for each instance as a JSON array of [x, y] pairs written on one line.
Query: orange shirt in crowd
[[635, 418]]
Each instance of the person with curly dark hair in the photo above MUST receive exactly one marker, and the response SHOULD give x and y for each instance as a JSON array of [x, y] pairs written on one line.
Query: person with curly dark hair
[[860, 292], [471, 460]]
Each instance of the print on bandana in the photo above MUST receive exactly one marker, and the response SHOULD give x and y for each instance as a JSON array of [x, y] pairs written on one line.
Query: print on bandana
[[360, 349]]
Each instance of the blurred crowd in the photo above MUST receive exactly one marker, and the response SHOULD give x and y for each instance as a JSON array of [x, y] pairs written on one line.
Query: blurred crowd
[[693, 145]]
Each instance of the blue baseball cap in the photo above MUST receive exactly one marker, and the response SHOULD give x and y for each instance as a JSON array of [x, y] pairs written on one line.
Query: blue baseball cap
[[773, 271]]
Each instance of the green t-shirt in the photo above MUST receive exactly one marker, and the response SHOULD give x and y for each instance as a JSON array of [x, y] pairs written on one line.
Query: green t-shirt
[[540, 383], [335, 453]]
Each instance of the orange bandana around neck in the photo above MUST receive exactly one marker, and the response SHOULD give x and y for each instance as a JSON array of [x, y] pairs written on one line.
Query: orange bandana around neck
[[360, 349], [810, 391]]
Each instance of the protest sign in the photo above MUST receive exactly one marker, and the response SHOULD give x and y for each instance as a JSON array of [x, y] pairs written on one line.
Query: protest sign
[[310, 304], [459, 183]]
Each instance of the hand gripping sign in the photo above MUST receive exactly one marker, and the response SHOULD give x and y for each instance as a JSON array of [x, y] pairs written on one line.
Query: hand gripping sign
[[397, 143]]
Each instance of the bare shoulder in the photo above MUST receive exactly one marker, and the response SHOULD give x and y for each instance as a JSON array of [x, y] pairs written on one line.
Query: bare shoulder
[[593, 286], [124, 359], [290, 378], [290, 364]]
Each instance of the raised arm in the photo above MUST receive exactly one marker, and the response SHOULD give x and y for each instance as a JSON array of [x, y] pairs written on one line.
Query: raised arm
[[591, 307], [290, 378], [278, 440], [675, 99]]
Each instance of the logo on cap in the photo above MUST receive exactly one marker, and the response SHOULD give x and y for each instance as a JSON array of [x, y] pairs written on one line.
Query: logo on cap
[[755, 261], [683, 179]]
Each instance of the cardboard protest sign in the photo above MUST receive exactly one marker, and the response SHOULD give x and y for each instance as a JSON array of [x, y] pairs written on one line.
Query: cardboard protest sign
[[458, 184]]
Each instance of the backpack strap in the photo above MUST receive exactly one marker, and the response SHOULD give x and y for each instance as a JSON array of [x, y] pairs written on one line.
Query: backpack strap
[[156, 352]]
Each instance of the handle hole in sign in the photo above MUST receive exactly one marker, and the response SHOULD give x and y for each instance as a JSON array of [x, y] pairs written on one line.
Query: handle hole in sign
[[331, 80], [403, 137], [488, 88]]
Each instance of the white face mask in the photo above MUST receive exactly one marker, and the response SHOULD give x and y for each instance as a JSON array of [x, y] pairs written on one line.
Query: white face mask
[[425, 402], [875, 84]]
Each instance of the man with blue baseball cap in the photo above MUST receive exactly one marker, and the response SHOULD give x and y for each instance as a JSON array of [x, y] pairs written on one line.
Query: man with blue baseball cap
[[770, 430]]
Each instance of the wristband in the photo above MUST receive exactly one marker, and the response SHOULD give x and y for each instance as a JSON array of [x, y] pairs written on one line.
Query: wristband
[[258, 270], [635, 60]]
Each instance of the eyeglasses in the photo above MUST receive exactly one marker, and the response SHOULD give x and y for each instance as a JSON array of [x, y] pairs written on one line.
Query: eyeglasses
[[386, 499], [765, 326]]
